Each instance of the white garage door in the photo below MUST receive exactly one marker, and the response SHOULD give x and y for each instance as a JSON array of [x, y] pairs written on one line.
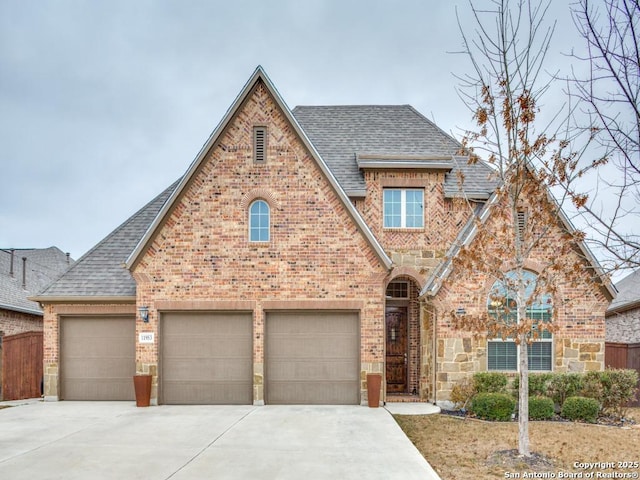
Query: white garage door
[[312, 358], [97, 358], [206, 358]]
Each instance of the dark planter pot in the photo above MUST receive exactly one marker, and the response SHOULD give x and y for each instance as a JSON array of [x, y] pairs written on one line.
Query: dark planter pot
[[374, 381], [142, 387]]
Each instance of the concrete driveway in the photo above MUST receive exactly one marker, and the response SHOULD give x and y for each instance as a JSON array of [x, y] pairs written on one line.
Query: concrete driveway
[[116, 440]]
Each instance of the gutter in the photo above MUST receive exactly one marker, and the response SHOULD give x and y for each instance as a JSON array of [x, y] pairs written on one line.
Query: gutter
[[85, 299], [30, 311]]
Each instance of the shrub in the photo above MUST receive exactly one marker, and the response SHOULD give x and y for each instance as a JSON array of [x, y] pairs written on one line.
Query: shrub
[[564, 385], [490, 382], [591, 386], [540, 408], [462, 393], [538, 384], [619, 387], [581, 408], [493, 406]]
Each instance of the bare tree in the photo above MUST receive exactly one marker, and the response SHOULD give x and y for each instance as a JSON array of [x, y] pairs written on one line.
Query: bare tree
[[507, 51], [610, 93]]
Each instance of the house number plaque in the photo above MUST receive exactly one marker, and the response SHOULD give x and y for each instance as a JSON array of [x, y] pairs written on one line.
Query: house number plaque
[[146, 337]]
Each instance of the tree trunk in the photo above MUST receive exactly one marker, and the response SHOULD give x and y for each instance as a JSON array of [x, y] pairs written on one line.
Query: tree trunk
[[523, 399]]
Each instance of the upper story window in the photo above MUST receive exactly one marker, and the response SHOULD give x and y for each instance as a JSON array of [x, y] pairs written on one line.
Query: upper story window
[[502, 354], [403, 208], [259, 144], [259, 221]]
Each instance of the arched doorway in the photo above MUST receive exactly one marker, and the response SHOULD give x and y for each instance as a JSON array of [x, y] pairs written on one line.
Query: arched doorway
[[402, 337]]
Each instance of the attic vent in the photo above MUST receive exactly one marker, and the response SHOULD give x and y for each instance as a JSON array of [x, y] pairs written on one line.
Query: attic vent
[[522, 223], [260, 144]]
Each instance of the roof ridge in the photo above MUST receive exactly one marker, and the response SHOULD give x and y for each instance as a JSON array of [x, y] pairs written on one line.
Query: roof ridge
[[433, 124]]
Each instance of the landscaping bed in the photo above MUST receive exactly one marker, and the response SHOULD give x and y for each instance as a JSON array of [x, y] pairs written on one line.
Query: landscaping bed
[[467, 448]]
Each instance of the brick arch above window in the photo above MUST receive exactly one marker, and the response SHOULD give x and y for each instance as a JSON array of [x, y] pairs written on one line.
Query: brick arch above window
[[410, 273], [262, 194]]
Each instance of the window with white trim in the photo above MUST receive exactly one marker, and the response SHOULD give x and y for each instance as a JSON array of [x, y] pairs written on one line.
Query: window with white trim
[[403, 208], [502, 354], [259, 221]]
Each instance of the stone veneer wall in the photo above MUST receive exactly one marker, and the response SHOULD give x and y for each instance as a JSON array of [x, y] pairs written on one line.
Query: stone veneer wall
[[460, 358], [624, 327]]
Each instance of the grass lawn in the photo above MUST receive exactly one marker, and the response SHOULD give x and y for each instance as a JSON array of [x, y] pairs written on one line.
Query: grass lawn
[[459, 448]]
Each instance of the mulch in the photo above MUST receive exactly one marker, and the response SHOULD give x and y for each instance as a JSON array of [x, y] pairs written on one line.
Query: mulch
[[607, 420]]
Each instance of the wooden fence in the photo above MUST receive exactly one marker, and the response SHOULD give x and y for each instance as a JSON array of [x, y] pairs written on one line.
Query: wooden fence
[[22, 366], [623, 355]]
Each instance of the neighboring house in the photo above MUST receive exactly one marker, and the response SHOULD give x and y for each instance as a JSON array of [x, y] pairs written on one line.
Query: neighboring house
[[23, 273], [623, 315], [301, 250], [623, 326]]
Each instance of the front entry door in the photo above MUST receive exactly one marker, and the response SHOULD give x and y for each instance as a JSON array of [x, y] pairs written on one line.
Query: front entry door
[[396, 358]]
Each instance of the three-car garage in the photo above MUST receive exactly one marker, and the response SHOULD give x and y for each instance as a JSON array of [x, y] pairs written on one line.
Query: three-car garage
[[206, 357]]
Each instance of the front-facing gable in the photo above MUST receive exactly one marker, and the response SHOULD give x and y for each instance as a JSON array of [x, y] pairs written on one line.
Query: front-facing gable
[[254, 106], [201, 236]]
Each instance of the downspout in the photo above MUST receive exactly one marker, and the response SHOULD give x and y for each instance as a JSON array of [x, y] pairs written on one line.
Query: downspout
[[435, 358]]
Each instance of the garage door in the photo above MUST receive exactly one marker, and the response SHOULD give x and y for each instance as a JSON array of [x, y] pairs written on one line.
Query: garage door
[[206, 358], [312, 358], [97, 358]]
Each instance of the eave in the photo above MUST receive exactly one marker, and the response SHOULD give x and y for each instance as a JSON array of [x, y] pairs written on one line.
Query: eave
[[403, 162], [30, 311], [84, 299]]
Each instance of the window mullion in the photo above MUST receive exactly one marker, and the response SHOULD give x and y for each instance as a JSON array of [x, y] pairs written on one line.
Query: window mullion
[[403, 208]]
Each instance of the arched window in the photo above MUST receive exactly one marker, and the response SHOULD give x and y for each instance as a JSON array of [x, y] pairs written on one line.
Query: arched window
[[259, 221], [502, 354]]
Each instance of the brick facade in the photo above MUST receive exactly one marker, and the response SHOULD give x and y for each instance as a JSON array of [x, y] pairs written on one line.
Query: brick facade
[[578, 341], [202, 252], [200, 259], [12, 322]]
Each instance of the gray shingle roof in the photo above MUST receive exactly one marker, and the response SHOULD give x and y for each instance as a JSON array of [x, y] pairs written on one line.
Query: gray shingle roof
[[43, 266], [100, 272], [339, 133], [628, 293]]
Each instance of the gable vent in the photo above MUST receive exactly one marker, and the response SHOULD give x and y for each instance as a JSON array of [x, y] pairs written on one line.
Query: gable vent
[[522, 223], [260, 144]]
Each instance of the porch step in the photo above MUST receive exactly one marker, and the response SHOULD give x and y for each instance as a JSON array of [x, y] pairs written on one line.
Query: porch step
[[395, 398]]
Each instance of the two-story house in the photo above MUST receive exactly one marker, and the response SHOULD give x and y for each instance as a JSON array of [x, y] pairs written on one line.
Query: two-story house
[[301, 250]]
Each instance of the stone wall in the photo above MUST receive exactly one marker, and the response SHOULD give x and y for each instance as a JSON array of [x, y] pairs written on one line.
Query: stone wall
[[624, 327]]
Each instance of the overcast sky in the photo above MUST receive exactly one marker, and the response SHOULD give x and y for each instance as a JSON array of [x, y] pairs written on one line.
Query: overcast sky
[[103, 104]]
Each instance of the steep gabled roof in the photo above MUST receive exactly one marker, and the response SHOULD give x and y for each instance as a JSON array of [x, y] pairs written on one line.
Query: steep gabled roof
[[99, 273], [43, 266], [469, 231], [259, 76], [342, 133], [628, 294]]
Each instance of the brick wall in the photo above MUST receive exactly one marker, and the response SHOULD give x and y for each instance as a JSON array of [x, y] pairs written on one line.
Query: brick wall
[[202, 253], [12, 323], [580, 307]]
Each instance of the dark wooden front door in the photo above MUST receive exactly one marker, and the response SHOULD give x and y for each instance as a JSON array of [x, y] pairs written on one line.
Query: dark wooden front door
[[396, 358]]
